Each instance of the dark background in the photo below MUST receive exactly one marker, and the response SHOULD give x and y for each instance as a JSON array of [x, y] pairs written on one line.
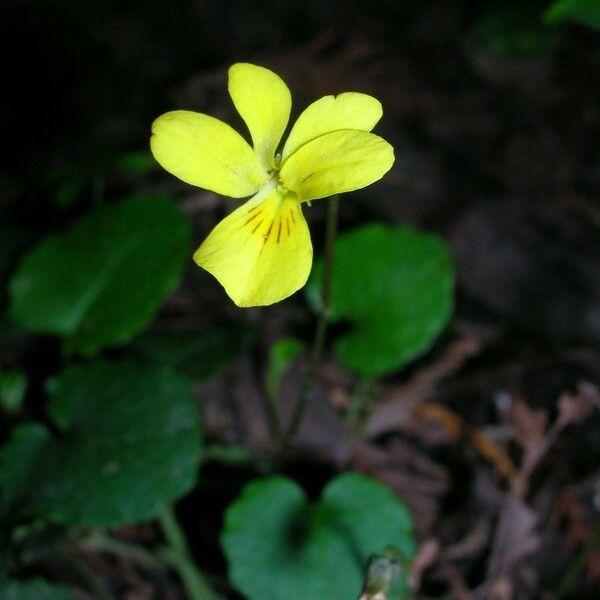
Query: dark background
[[497, 146]]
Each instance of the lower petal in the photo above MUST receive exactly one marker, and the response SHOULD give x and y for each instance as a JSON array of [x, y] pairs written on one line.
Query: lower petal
[[261, 253]]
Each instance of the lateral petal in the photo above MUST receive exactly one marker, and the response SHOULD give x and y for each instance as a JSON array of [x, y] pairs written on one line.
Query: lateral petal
[[350, 110], [340, 161], [264, 102], [261, 253], [206, 152]]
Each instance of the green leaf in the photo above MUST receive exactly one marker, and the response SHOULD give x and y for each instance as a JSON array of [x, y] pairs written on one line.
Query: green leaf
[[13, 385], [35, 589], [196, 354], [19, 460], [101, 281], [281, 356], [129, 445], [136, 162], [513, 31], [70, 183], [396, 287], [12, 242], [279, 545], [584, 12]]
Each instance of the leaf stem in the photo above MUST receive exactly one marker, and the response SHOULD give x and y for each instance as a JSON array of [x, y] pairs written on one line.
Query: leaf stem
[[177, 555], [274, 415], [321, 329]]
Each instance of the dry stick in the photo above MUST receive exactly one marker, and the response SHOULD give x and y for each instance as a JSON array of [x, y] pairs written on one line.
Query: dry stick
[[319, 339]]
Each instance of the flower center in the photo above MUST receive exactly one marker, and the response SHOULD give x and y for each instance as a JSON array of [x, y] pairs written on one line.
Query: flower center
[[281, 188], [275, 182]]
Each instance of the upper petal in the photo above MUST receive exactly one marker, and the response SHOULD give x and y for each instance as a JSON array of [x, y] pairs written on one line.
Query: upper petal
[[350, 110], [337, 162], [264, 102], [261, 253], [206, 152]]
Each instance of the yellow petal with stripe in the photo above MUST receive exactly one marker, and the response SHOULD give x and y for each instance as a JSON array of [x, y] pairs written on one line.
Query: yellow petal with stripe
[[340, 161], [350, 110], [206, 152], [261, 253], [264, 102]]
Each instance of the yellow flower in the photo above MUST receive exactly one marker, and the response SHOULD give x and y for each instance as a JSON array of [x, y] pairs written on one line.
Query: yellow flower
[[261, 253]]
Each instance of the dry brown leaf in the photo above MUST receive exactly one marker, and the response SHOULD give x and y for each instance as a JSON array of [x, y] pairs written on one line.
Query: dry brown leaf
[[455, 427], [574, 408], [515, 539], [426, 555], [472, 544], [396, 411], [456, 582], [416, 479], [532, 435], [529, 425]]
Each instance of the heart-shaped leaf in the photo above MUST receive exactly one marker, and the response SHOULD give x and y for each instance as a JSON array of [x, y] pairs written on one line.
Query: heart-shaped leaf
[[13, 385], [12, 242], [586, 12], [395, 286], [279, 545], [129, 445], [19, 460], [513, 31], [102, 280]]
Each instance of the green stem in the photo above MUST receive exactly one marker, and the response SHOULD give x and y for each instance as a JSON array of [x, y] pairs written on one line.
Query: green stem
[[274, 415], [319, 339], [177, 555]]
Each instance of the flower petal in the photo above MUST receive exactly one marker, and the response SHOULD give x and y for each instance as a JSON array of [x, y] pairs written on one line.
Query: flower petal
[[350, 110], [206, 152], [337, 162], [264, 102], [261, 253]]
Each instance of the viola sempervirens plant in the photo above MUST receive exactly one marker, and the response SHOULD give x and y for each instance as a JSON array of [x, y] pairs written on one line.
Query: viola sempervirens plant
[[261, 253]]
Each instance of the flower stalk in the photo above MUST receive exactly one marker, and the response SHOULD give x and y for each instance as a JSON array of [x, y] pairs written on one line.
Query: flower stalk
[[177, 555], [323, 319]]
